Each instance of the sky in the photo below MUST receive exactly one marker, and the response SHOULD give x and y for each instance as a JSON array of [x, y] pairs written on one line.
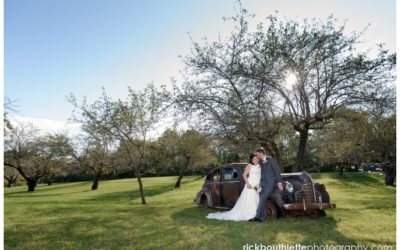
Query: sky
[[54, 48]]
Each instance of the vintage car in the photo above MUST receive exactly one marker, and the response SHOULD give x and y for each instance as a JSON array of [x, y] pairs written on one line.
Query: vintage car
[[300, 195]]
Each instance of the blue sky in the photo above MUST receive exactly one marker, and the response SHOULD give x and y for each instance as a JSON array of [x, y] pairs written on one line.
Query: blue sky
[[54, 47]]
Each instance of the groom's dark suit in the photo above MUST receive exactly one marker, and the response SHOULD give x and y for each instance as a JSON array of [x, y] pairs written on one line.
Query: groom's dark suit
[[270, 177]]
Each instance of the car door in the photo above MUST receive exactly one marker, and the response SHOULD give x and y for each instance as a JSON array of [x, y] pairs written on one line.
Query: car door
[[231, 186], [215, 186]]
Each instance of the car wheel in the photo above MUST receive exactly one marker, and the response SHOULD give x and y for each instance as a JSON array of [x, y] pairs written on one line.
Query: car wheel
[[203, 201], [280, 213], [272, 212]]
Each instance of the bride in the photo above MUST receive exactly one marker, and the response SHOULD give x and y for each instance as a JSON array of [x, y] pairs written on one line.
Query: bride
[[246, 206]]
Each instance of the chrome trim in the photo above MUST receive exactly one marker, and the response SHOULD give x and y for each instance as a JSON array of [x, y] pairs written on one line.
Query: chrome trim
[[224, 181], [308, 206]]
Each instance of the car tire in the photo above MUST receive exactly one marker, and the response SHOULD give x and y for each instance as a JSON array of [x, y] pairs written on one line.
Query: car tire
[[280, 213], [272, 211], [204, 202]]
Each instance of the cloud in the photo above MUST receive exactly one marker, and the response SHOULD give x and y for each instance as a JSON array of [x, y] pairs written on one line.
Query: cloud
[[49, 125]]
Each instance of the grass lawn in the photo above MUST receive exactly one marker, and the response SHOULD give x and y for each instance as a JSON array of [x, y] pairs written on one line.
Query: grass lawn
[[71, 216]]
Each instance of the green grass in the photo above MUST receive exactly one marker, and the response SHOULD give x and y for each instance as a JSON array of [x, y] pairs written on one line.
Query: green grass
[[71, 216]]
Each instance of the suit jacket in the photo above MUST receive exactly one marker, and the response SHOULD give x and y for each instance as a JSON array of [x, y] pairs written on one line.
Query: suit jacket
[[270, 173]]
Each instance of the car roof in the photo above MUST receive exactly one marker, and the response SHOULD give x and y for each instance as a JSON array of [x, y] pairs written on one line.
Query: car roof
[[236, 164], [239, 164]]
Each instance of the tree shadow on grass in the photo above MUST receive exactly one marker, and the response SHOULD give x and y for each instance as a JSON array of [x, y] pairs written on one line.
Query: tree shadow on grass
[[42, 189], [199, 178], [86, 228], [129, 195], [134, 194], [356, 180], [309, 230]]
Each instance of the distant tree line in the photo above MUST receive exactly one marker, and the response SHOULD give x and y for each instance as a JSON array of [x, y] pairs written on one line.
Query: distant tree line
[[351, 139]]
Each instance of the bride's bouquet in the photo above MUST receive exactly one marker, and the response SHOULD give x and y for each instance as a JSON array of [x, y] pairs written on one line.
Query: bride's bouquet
[[258, 188]]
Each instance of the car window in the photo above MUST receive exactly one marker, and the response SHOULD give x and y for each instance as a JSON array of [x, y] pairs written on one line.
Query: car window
[[230, 174], [216, 175]]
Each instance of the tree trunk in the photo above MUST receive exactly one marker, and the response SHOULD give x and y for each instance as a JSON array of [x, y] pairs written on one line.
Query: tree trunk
[[182, 172], [301, 150], [178, 182], [276, 154], [139, 179], [390, 175], [10, 181], [96, 180], [50, 180], [31, 185]]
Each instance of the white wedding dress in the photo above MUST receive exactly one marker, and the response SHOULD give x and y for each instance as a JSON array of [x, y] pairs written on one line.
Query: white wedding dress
[[247, 203]]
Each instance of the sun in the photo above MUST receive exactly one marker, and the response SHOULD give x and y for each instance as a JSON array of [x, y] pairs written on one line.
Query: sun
[[290, 80]]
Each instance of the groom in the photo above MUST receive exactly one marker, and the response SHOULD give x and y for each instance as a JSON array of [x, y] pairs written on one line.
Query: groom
[[270, 179]]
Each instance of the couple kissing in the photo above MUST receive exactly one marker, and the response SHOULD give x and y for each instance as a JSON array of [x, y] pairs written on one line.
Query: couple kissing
[[262, 176]]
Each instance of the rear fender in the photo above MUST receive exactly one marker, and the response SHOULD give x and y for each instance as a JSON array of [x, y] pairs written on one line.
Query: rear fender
[[207, 193]]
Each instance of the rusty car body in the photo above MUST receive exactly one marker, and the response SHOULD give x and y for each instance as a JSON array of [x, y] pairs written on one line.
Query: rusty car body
[[300, 195]]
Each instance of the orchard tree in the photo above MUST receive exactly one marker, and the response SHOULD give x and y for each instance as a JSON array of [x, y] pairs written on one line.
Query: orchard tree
[[128, 121], [34, 156], [222, 99], [185, 150], [94, 155], [382, 132], [246, 84], [318, 71], [10, 175], [356, 137], [344, 140]]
